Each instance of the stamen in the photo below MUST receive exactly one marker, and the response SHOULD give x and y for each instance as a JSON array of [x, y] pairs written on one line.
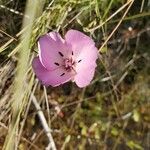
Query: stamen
[[56, 63], [62, 74], [72, 52], [79, 60], [61, 54]]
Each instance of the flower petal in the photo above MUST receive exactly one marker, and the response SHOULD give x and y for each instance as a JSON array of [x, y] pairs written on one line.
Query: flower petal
[[54, 78], [79, 42], [85, 54], [52, 49], [85, 75]]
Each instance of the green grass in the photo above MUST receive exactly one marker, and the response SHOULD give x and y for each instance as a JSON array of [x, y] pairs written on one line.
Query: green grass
[[112, 112]]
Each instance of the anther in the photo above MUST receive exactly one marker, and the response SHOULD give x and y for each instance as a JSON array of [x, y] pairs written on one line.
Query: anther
[[61, 54], [79, 60], [56, 63], [62, 74]]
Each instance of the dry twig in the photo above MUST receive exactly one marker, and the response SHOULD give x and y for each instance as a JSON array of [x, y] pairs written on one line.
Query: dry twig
[[47, 130]]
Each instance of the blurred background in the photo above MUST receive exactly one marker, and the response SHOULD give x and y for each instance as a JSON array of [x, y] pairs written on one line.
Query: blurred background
[[113, 112]]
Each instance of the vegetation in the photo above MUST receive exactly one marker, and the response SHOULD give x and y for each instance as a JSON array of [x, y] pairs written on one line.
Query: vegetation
[[112, 113]]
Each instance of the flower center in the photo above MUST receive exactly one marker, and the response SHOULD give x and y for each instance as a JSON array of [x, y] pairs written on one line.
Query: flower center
[[69, 64]]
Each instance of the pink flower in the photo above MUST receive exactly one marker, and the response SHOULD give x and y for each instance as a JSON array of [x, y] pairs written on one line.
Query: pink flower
[[60, 60]]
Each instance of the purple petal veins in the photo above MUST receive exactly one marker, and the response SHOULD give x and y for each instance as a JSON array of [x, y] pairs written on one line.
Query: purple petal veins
[[61, 60]]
